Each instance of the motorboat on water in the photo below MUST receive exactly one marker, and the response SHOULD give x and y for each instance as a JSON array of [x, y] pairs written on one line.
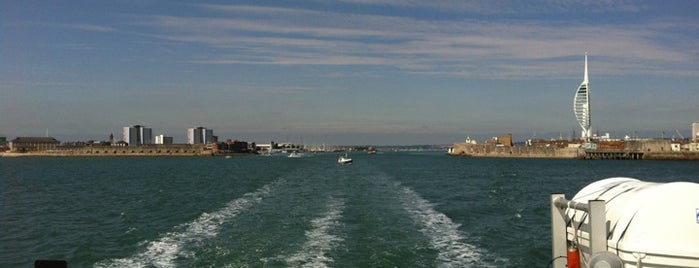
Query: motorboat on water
[[344, 159], [294, 154]]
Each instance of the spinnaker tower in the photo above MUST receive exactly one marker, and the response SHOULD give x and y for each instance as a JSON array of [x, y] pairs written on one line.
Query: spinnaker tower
[[581, 105]]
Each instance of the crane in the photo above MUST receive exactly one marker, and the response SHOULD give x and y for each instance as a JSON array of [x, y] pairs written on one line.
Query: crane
[[678, 133]]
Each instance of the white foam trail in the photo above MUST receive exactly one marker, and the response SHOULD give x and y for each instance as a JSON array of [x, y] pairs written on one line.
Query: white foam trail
[[163, 252], [319, 240], [443, 233]]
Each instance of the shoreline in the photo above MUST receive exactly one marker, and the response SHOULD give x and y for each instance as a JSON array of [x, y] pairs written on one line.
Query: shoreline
[[45, 154], [488, 150], [178, 150], [49, 154]]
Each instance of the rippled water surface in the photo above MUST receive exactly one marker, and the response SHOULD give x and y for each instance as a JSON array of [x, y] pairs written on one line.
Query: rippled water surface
[[417, 209]]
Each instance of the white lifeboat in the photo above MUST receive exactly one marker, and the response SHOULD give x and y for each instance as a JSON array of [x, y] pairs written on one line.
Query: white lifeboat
[[648, 224]]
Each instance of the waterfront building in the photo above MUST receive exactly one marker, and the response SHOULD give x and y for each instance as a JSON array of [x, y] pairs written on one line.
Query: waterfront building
[[30, 144], [695, 131], [233, 146], [200, 135], [162, 139], [581, 105], [138, 135], [505, 141]]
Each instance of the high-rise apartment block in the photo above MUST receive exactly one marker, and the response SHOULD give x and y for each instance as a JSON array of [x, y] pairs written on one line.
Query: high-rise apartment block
[[162, 139], [138, 135], [200, 135]]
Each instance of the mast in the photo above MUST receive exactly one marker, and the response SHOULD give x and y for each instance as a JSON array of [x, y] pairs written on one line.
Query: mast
[[586, 78]]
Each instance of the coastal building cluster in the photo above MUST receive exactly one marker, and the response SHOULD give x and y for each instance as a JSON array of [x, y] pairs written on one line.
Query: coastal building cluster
[[138, 140], [141, 135], [596, 147], [135, 140], [588, 146]]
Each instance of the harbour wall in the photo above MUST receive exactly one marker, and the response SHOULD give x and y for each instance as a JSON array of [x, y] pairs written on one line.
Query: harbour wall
[[633, 150], [489, 150], [145, 150], [672, 156]]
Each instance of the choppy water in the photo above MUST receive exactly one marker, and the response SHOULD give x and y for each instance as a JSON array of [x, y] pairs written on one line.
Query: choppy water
[[385, 210]]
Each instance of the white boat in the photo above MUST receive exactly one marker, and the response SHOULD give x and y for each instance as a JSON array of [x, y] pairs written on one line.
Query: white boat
[[294, 154], [344, 159]]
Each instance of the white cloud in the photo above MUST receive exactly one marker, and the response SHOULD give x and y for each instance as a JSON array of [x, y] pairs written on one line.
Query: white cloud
[[89, 27], [510, 7], [503, 48], [72, 26]]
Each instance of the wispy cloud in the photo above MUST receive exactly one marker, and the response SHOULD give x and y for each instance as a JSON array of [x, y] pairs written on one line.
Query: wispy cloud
[[88, 27], [509, 7], [289, 36], [71, 26]]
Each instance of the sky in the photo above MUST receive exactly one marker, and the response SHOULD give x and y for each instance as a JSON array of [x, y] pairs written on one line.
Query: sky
[[353, 72]]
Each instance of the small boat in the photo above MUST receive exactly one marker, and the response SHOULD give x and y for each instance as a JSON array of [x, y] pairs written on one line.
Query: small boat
[[344, 159], [294, 154]]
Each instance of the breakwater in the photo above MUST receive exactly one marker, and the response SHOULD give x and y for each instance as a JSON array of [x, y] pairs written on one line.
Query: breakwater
[[672, 156], [146, 150], [633, 150], [489, 150]]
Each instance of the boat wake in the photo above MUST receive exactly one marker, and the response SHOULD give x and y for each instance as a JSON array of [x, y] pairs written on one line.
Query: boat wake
[[320, 240], [163, 252], [443, 233]]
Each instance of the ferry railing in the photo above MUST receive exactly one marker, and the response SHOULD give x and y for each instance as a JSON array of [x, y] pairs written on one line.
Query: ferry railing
[[596, 227]]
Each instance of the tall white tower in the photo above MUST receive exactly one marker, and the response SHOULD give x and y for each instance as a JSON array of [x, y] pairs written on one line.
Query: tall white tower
[[581, 105]]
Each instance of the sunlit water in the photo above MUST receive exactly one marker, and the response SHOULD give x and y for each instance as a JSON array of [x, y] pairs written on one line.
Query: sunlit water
[[387, 210]]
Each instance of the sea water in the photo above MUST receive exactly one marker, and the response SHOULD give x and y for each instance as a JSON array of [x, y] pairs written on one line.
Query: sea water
[[392, 209]]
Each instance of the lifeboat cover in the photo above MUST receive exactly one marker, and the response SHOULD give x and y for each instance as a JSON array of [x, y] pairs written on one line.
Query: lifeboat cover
[[656, 223]]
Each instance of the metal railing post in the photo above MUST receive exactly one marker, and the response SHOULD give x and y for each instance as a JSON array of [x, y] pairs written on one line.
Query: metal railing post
[[598, 226], [558, 233]]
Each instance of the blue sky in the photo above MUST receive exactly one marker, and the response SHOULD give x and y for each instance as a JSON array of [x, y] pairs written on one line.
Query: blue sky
[[348, 71]]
